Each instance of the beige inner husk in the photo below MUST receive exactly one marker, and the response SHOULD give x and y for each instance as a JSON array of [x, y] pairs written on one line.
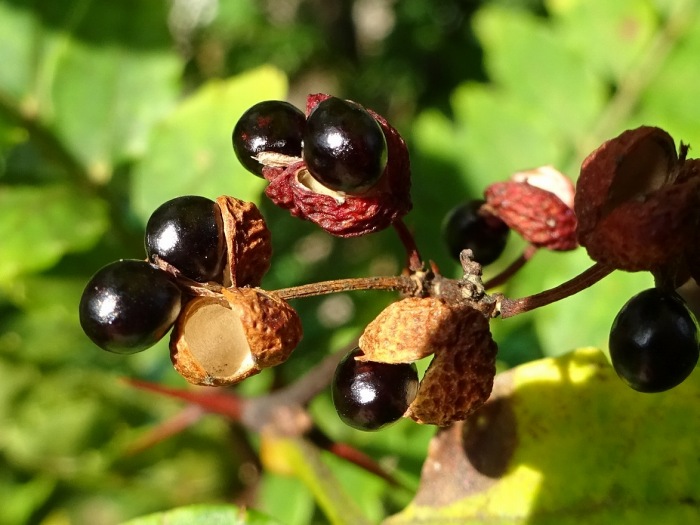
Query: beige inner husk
[[216, 339], [306, 179]]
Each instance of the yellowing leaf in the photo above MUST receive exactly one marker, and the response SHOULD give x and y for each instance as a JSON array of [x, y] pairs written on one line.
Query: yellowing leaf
[[564, 441]]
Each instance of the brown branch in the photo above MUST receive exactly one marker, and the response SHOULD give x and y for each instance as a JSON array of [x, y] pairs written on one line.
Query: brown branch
[[511, 307], [400, 283]]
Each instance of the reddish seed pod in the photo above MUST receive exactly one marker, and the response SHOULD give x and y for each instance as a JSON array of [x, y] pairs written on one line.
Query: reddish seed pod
[[343, 214], [538, 215], [636, 202]]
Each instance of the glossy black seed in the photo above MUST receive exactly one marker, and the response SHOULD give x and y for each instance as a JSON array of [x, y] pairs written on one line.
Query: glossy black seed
[[188, 233], [466, 226], [128, 306], [344, 147], [654, 343], [272, 125], [369, 395]]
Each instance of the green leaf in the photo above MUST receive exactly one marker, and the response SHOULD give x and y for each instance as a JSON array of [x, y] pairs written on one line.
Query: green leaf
[[297, 457], [205, 515], [38, 225], [670, 101], [526, 58], [582, 318], [22, 499], [286, 499], [625, 26], [191, 152], [564, 441], [121, 54]]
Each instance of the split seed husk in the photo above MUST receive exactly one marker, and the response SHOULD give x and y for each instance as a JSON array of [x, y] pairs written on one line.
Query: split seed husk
[[223, 340]]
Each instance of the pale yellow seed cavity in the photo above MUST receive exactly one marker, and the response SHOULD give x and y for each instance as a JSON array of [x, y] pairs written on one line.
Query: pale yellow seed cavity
[[216, 339]]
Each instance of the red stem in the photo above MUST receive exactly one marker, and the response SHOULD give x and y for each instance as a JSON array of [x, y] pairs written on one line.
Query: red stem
[[512, 269], [229, 404], [187, 417], [415, 261], [511, 307]]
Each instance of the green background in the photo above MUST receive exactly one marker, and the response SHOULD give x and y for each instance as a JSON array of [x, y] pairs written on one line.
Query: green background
[[107, 109]]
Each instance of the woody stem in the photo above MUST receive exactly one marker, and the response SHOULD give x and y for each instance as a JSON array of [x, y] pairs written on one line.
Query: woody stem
[[401, 283], [511, 307]]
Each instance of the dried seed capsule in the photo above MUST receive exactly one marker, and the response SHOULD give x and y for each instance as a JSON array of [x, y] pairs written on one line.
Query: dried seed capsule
[[535, 204], [407, 330], [460, 377], [247, 240], [339, 213], [634, 210], [222, 340]]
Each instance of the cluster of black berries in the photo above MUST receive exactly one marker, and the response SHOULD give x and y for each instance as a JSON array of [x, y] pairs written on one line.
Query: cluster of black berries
[[129, 305], [346, 169], [343, 146], [345, 150], [654, 340]]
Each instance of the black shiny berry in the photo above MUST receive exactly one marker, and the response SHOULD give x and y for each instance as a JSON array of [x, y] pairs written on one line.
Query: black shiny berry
[[369, 395], [128, 306], [344, 146], [467, 226], [188, 233], [654, 344], [272, 125]]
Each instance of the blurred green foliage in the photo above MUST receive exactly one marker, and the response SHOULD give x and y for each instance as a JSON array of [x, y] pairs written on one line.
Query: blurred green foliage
[[109, 108]]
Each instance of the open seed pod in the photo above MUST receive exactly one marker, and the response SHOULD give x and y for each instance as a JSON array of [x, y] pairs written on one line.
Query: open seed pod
[[634, 210], [538, 215], [460, 376], [407, 330], [343, 214], [550, 179], [221, 340], [248, 243]]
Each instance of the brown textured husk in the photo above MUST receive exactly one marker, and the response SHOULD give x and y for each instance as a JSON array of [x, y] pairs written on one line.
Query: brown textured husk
[[341, 214], [460, 377], [600, 169], [249, 247], [407, 330], [539, 216], [637, 202], [272, 329], [648, 235]]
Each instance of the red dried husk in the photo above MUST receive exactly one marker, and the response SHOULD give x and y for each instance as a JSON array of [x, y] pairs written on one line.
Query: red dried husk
[[342, 214], [538, 215], [637, 202]]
